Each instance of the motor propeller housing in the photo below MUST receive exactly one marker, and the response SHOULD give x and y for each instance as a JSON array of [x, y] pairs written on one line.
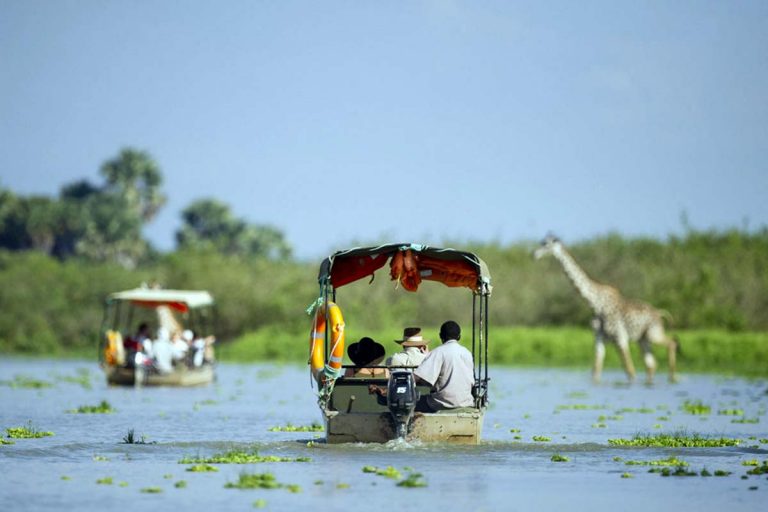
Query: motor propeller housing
[[402, 396]]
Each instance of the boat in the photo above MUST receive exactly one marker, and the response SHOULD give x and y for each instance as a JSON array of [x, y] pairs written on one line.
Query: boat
[[350, 412], [127, 361]]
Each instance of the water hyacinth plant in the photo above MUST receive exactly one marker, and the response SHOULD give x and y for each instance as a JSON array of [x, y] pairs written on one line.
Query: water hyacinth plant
[[696, 407], [130, 438], [675, 440], [103, 407], [240, 457], [202, 468], [259, 481], [22, 381], [28, 432], [314, 427], [559, 458]]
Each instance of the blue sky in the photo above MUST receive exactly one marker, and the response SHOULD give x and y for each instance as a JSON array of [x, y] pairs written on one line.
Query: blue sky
[[357, 121]]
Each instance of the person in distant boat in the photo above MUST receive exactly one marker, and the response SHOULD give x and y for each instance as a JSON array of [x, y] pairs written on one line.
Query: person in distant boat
[[162, 348], [364, 354], [414, 349], [134, 345], [180, 345], [202, 349]]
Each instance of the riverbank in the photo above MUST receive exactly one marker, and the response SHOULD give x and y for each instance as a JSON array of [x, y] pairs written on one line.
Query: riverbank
[[703, 351]]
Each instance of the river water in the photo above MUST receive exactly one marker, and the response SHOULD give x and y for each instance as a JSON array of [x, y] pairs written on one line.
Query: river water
[[509, 470]]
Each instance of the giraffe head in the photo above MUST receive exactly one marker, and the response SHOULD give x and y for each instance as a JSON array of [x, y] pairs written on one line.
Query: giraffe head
[[550, 245]]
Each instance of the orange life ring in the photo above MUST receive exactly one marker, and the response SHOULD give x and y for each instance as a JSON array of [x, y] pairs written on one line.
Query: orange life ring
[[317, 341]]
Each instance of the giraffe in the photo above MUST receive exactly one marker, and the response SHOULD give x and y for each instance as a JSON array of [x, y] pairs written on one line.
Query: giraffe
[[616, 319]]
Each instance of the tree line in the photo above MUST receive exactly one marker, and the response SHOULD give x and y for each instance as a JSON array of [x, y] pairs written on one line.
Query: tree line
[[60, 257]]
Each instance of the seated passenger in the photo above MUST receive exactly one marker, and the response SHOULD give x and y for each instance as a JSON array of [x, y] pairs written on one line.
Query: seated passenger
[[134, 345], [163, 351], [414, 348], [366, 353], [180, 346]]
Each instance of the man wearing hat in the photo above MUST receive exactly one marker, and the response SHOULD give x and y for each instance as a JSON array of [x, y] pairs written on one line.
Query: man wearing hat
[[366, 354], [414, 348]]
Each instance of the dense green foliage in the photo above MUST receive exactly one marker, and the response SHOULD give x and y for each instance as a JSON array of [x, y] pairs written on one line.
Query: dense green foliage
[[714, 284]]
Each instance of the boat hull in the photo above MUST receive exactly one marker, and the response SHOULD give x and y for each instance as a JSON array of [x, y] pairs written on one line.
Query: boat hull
[[180, 376], [462, 426]]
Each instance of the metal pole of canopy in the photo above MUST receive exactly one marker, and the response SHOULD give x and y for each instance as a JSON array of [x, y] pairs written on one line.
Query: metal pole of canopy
[[487, 318], [476, 366]]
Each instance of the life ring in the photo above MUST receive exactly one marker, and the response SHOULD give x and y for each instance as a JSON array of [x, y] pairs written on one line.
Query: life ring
[[114, 353], [317, 341]]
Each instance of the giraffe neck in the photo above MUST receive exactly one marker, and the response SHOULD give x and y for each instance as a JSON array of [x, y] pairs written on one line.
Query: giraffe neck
[[581, 281]]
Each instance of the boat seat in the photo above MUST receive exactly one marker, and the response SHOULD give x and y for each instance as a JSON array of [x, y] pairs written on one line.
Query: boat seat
[[350, 394]]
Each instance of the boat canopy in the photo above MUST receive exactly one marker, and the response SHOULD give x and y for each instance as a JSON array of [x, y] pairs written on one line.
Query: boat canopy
[[180, 300], [409, 264]]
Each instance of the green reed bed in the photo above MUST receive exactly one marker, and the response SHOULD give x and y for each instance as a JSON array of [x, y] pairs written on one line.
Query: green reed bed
[[674, 440], [703, 350], [240, 457]]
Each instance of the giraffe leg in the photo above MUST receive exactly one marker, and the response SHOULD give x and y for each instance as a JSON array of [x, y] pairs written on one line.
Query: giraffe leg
[[649, 360], [672, 347], [597, 367], [622, 343]]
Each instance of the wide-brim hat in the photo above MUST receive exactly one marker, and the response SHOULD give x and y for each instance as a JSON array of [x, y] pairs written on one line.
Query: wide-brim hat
[[365, 352], [412, 337]]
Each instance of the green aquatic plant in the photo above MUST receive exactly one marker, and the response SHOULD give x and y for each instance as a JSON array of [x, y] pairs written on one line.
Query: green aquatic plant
[[168, 476], [314, 427], [614, 417], [181, 484], [130, 438], [746, 420], [342, 485], [202, 468], [103, 407], [579, 407], [22, 381], [753, 462], [669, 461], [640, 410], [704, 472], [254, 481], [627, 475], [104, 481], [5, 441], [675, 440], [599, 425], [123, 484], [696, 407], [559, 458], [577, 394], [151, 490], [388, 472], [240, 457], [731, 412], [260, 503], [83, 378], [100, 458], [413, 480], [677, 471], [762, 469], [542, 439], [515, 430], [28, 432], [65, 477]]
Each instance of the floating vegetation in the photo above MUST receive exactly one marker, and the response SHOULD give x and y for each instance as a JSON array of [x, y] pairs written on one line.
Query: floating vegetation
[[259, 481], [260, 503], [28, 432], [168, 476], [5, 441], [614, 417], [746, 420], [151, 490], [181, 484], [696, 407], [240, 457], [640, 410], [388, 472], [677, 471], [627, 475], [542, 439], [202, 468], [413, 480], [123, 484], [22, 381], [559, 458], [762, 469], [579, 407], [104, 481], [104, 407], [514, 430], [100, 458], [130, 438], [83, 378], [753, 462], [314, 427], [676, 440], [669, 461], [342, 485], [65, 477], [731, 412], [577, 394], [599, 425], [662, 418]]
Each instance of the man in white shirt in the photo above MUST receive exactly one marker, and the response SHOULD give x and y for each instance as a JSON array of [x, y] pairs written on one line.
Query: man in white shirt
[[449, 369], [414, 349]]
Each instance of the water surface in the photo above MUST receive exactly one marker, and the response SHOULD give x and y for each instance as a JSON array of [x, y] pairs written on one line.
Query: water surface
[[508, 471]]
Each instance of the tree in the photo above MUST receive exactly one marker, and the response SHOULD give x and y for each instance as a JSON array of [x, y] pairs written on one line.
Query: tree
[[210, 225], [134, 175]]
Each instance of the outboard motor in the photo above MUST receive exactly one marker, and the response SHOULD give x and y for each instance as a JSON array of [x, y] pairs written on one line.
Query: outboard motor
[[402, 396]]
